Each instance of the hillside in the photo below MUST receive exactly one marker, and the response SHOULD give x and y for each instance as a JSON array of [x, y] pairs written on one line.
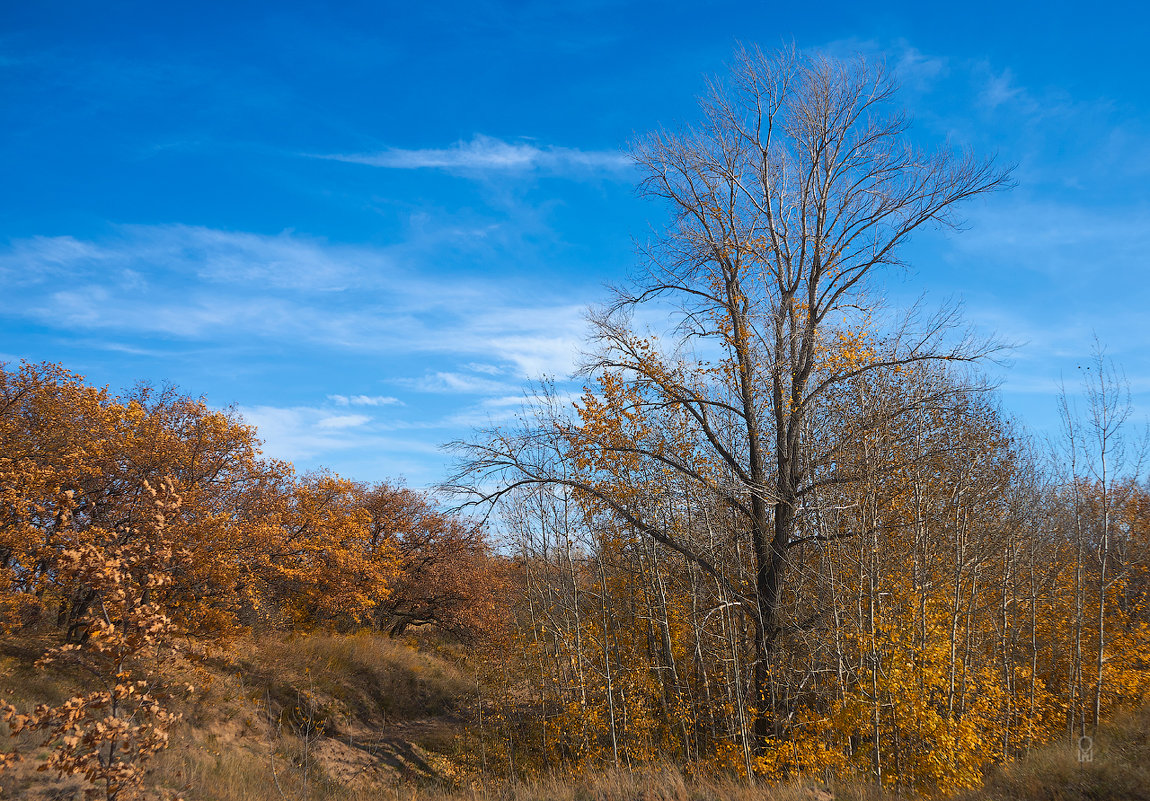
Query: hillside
[[310, 716]]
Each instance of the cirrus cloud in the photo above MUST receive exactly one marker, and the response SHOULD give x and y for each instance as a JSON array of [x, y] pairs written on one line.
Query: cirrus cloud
[[486, 153]]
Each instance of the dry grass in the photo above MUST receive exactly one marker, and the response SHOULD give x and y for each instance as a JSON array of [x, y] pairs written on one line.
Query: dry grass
[[316, 716], [1120, 770], [374, 678], [250, 782], [666, 783]]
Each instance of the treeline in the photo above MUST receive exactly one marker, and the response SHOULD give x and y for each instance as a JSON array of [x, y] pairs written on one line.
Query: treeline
[[250, 544]]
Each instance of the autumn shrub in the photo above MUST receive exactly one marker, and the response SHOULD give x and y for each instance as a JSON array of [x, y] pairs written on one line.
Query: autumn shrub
[[447, 578], [108, 734]]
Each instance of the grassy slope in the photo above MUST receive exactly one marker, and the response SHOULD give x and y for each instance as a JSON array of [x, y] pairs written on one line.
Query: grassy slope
[[319, 716]]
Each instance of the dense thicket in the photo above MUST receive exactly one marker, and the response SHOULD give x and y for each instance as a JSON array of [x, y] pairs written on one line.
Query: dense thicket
[[252, 543], [956, 604]]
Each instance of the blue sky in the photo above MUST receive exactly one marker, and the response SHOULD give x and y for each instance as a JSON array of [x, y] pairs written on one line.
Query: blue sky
[[368, 226]]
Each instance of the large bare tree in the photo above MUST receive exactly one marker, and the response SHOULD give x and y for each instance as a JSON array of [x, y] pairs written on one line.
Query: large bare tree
[[797, 188]]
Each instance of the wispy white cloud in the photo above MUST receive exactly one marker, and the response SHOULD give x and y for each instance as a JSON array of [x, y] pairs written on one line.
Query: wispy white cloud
[[121, 347], [489, 411], [368, 446], [204, 286], [137, 254], [295, 433], [364, 400], [917, 70], [914, 70], [300, 433], [486, 369], [999, 88], [486, 153], [343, 421], [452, 382], [500, 408]]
